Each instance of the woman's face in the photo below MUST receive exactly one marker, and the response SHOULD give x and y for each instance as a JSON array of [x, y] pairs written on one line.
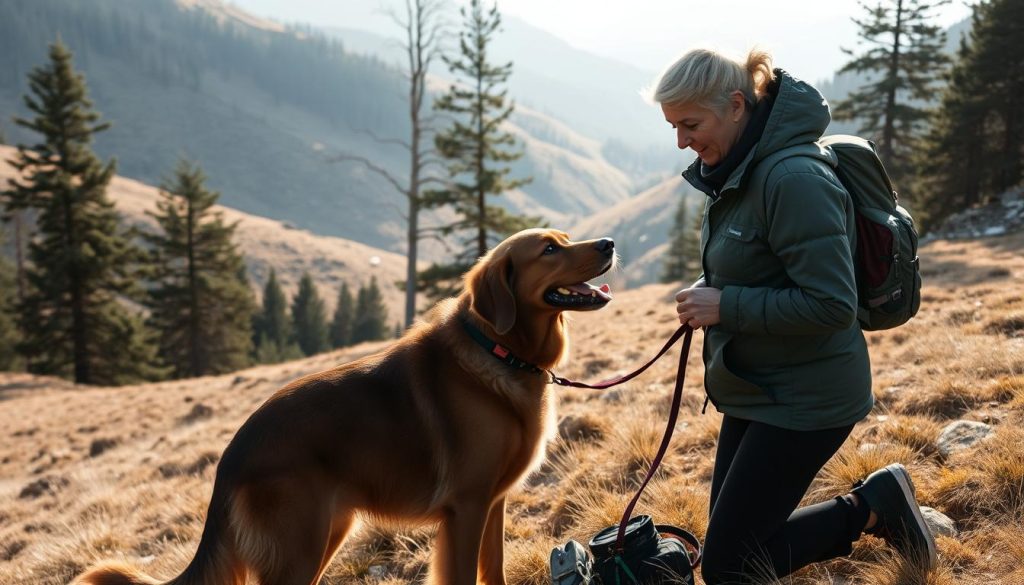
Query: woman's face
[[704, 131]]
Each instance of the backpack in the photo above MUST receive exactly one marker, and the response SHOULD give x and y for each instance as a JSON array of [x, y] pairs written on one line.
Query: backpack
[[887, 267], [885, 261]]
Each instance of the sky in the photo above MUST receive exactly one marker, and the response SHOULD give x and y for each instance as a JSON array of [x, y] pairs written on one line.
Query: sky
[[805, 36]]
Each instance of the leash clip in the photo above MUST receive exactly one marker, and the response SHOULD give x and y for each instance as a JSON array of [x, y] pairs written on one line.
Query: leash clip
[[556, 379]]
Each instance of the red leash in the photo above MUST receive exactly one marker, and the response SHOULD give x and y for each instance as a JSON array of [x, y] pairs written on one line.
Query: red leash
[[677, 399]]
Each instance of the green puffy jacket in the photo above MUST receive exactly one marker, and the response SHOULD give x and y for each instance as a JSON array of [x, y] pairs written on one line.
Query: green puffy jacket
[[777, 239]]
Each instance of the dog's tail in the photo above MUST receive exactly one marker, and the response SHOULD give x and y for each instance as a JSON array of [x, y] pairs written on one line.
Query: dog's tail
[[215, 562]]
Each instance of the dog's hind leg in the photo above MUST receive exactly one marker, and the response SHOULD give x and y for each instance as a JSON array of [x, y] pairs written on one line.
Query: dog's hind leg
[[457, 551], [339, 530], [291, 524], [492, 547]]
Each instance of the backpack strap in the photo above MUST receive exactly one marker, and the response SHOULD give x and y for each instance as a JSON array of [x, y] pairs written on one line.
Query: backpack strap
[[759, 175]]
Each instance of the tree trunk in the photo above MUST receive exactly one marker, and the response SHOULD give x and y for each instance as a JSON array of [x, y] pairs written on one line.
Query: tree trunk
[[19, 257], [481, 237], [1010, 173], [79, 330], [416, 78], [410, 266], [194, 365], [888, 131]]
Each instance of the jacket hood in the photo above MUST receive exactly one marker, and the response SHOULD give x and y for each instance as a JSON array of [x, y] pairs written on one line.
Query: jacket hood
[[799, 115]]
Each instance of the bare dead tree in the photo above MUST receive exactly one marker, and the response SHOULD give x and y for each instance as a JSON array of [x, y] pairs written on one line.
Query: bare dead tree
[[423, 26]]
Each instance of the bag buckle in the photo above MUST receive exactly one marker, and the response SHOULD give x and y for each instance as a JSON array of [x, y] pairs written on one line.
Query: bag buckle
[[570, 565]]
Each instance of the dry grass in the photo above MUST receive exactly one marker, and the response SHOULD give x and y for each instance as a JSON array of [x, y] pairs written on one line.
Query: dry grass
[[126, 473]]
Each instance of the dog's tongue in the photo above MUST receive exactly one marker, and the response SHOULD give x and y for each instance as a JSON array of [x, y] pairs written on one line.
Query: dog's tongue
[[587, 290]]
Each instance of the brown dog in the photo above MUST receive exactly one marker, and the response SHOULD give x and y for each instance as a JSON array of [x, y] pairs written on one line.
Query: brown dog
[[432, 429]]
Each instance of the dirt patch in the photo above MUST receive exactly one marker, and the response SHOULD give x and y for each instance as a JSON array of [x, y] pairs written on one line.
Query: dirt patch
[[197, 467], [1011, 326]]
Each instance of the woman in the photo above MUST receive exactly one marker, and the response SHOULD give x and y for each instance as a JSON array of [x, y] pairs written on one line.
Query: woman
[[785, 359]]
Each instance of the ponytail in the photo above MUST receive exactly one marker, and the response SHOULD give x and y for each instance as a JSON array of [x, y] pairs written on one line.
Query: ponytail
[[707, 78]]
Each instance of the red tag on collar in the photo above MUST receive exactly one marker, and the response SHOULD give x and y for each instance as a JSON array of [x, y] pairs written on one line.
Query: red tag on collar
[[500, 351]]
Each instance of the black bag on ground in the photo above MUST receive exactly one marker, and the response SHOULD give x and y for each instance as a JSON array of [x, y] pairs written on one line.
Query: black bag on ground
[[652, 554]]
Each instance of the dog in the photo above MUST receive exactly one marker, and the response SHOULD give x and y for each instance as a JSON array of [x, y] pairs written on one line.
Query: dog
[[432, 429]]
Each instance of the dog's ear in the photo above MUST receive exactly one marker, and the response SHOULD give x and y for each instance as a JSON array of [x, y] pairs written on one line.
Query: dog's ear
[[491, 293]]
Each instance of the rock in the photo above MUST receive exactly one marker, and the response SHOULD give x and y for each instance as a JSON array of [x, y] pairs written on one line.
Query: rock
[[938, 523], [377, 571], [868, 447], [580, 428], [1001, 215], [98, 446], [962, 434], [612, 396], [199, 411]]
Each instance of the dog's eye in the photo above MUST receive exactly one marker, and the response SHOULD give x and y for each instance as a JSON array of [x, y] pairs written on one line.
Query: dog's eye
[[550, 249]]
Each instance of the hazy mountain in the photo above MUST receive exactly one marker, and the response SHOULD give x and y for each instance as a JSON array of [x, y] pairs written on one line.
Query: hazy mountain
[[596, 96], [263, 108]]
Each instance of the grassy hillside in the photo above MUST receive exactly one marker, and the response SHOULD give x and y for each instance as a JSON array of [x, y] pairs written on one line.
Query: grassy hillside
[[267, 243], [99, 473]]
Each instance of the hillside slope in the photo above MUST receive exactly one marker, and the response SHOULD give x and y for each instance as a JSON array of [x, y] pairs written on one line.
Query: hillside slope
[[100, 473], [640, 226], [267, 243]]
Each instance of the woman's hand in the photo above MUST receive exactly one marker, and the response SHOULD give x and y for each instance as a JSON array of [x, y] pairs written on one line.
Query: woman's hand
[[698, 306]]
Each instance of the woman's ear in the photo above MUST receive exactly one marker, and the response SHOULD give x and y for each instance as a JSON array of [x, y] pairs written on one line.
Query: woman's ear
[[737, 105], [491, 293]]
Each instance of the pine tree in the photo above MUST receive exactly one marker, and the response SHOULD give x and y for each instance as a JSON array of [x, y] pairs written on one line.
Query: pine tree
[[309, 318], [80, 262], [682, 262], [906, 59], [371, 316], [477, 153], [341, 324], [976, 145], [272, 328], [201, 303]]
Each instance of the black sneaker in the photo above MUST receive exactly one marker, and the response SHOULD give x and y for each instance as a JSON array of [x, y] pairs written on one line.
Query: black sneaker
[[889, 493]]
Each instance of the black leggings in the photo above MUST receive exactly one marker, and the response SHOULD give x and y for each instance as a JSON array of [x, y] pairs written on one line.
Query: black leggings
[[755, 530]]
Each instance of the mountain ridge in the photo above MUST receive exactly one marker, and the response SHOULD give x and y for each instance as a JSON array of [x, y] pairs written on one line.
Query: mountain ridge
[[264, 112]]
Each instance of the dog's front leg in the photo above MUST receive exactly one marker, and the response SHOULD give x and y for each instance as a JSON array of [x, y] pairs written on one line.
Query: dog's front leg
[[492, 548], [458, 544]]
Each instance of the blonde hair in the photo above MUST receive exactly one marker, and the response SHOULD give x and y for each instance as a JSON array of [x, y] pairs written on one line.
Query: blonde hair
[[707, 78]]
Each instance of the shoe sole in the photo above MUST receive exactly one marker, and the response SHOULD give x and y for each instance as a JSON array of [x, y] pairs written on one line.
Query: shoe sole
[[907, 485]]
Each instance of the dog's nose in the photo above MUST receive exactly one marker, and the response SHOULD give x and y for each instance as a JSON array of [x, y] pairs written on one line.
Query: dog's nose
[[606, 245]]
